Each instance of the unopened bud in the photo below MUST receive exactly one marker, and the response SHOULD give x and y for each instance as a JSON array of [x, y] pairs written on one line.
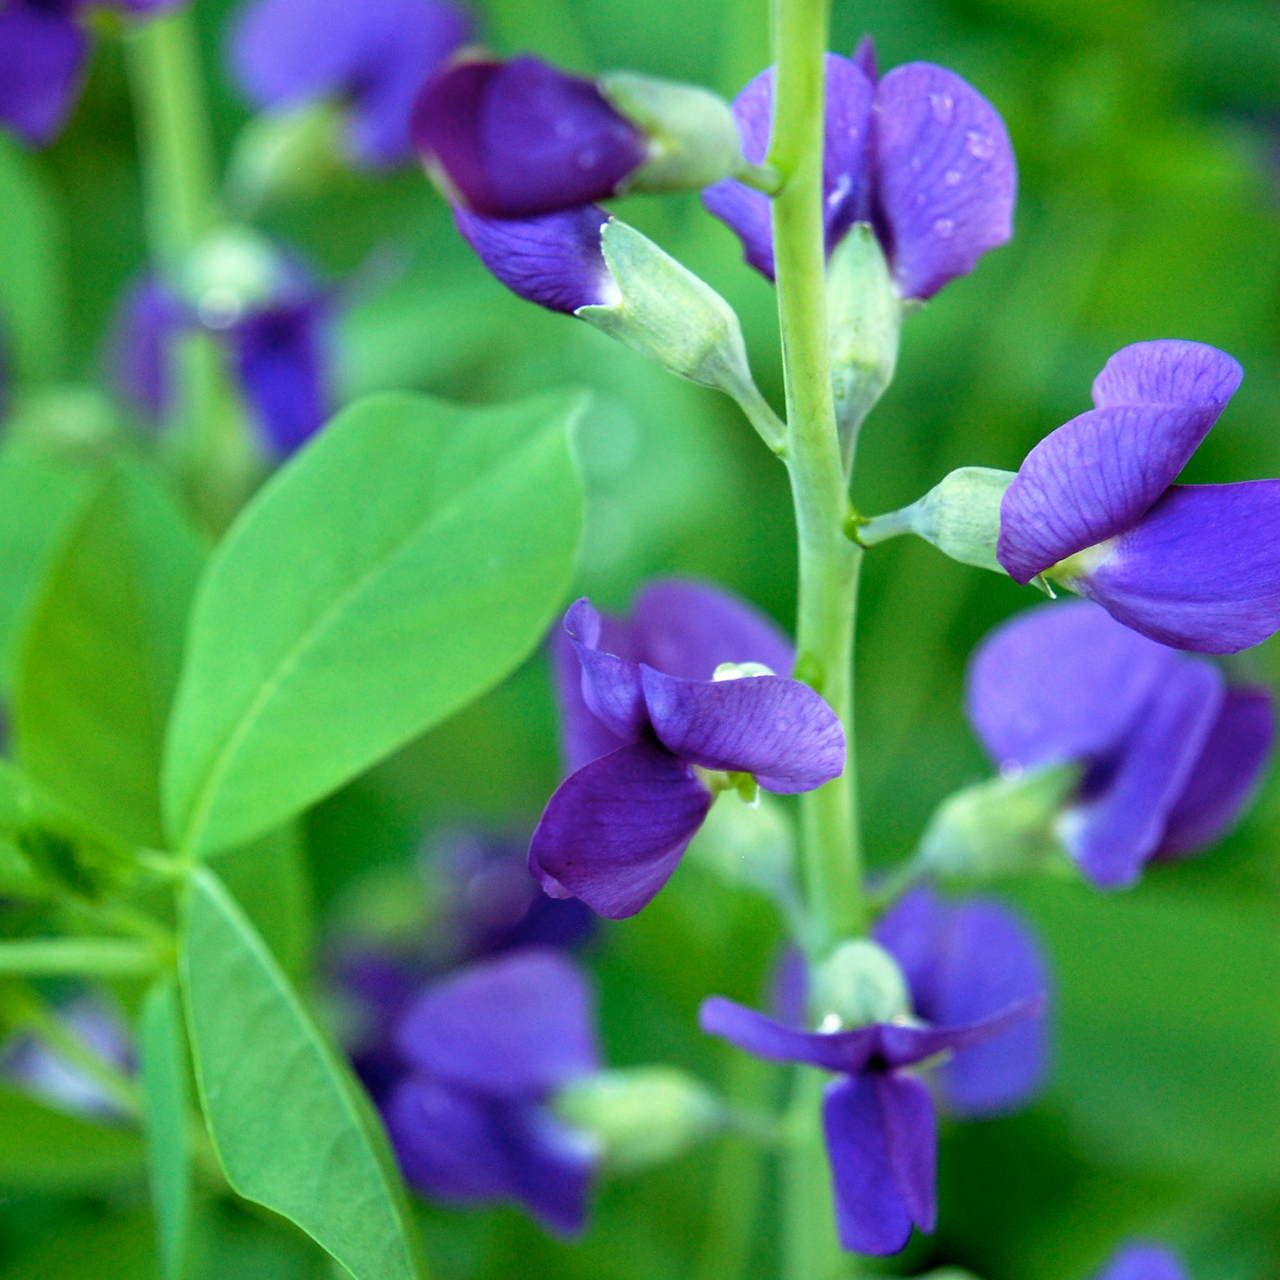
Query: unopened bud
[[859, 983], [640, 1116], [284, 154], [230, 272], [750, 845], [73, 421]]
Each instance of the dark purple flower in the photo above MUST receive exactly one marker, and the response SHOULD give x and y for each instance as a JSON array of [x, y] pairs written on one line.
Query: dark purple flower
[[1169, 754], [376, 55], [520, 139], [919, 154], [1095, 507], [881, 1129], [488, 1047], [43, 50], [1143, 1261], [615, 830]]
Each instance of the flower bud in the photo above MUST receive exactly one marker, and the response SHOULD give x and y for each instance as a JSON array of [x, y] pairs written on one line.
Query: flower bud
[[298, 152], [859, 983], [639, 1116], [751, 846], [71, 421], [999, 826], [231, 272], [693, 137]]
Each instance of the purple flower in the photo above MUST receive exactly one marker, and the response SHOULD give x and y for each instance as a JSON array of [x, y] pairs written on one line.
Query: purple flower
[[488, 1047], [1094, 506], [1170, 755], [375, 54], [881, 1128], [1143, 1261], [520, 139], [616, 828], [919, 154], [43, 52]]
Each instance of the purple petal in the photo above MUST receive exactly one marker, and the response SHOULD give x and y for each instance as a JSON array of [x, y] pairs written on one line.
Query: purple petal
[[282, 362], [140, 351], [378, 54], [583, 737], [687, 629], [1142, 1261], [864, 58], [1113, 834], [872, 1215], [911, 1130], [764, 1037], [1097, 475], [903, 1046], [964, 963], [42, 60], [611, 687], [775, 728], [844, 185], [1225, 776], [1059, 683], [555, 261], [553, 1167], [1200, 571], [945, 177], [519, 139], [615, 830], [521, 1024]]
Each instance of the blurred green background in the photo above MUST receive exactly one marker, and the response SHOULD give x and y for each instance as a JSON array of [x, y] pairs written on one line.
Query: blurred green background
[[1146, 134]]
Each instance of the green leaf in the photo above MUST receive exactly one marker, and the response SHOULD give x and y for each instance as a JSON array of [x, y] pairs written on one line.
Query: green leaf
[[166, 1113], [401, 565], [291, 1128], [101, 657], [31, 282], [48, 1151]]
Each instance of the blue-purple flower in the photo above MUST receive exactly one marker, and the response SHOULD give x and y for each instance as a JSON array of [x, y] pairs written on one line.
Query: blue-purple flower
[[918, 154], [661, 704], [1169, 753], [488, 1047], [1142, 1260], [1094, 505], [375, 56], [44, 49], [977, 986]]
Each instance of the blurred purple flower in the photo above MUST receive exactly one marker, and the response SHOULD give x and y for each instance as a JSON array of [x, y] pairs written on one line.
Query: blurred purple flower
[[488, 1046], [919, 154], [43, 53], [616, 828], [520, 139], [1143, 1261], [1193, 566], [376, 54], [1170, 754]]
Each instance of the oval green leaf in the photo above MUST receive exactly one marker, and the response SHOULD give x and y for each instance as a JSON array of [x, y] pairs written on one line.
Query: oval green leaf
[[403, 564]]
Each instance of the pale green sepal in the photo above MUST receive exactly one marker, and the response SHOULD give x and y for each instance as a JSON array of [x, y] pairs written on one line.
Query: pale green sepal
[[864, 319], [693, 137], [230, 272], [858, 984], [1000, 826], [749, 845], [639, 1116], [668, 314], [286, 154]]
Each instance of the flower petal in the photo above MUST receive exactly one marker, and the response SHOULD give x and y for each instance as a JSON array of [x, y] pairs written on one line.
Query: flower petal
[[553, 1167], [1113, 835], [1225, 775], [945, 176], [872, 1217], [555, 260], [903, 1046], [687, 629], [611, 686], [775, 728], [911, 1130], [583, 736], [1059, 683], [1200, 571], [764, 1037], [1142, 1261], [517, 1025], [148, 320], [42, 60], [1168, 371], [615, 830]]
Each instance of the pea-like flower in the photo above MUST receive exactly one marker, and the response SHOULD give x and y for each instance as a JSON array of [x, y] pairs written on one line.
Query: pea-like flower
[[1142, 1260], [488, 1048], [977, 987], [663, 709], [1094, 505], [374, 57], [44, 51], [919, 154], [1169, 754]]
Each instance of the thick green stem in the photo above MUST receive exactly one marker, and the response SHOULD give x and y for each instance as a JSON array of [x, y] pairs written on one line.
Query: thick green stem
[[810, 1250]]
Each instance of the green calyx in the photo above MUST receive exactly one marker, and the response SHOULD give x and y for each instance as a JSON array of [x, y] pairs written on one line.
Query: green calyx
[[230, 272], [858, 984]]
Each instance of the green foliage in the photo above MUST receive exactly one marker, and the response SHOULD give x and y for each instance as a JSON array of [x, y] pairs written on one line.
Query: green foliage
[[290, 1126], [399, 567]]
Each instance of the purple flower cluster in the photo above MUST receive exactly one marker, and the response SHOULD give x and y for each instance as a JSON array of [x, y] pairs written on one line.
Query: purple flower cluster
[[978, 988], [646, 705], [1169, 752]]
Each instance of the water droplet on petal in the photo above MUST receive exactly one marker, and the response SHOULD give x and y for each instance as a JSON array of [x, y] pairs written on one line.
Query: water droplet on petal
[[952, 177], [943, 227], [979, 145], [943, 107]]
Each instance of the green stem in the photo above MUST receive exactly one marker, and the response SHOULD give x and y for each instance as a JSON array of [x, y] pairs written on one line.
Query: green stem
[[810, 1250], [97, 957]]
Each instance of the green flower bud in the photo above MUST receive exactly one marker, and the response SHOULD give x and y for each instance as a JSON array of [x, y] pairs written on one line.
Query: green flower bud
[[640, 1116], [284, 154], [230, 272], [859, 983], [751, 845]]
